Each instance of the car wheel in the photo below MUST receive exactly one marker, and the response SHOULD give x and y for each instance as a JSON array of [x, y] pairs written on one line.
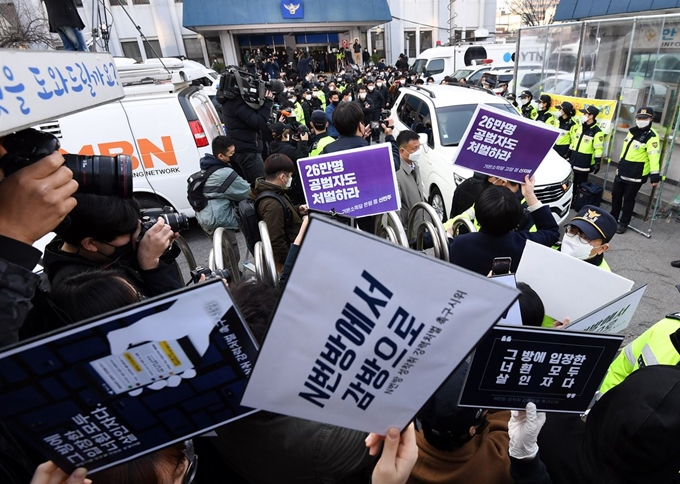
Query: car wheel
[[437, 202]]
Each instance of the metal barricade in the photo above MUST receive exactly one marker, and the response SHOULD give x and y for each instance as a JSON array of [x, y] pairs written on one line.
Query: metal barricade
[[222, 255], [388, 226], [433, 226], [188, 254]]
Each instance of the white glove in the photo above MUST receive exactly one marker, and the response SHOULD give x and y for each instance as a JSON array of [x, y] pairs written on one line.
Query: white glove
[[523, 429]]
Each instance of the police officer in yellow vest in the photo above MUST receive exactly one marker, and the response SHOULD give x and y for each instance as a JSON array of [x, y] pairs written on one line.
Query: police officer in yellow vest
[[565, 113], [586, 147], [320, 138], [588, 235], [544, 116], [526, 107], [640, 158], [659, 345]]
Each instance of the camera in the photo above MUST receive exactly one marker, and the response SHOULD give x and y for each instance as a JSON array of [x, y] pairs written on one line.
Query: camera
[[149, 216], [95, 174], [384, 114], [209, 274], [235, 83], [298, 129]]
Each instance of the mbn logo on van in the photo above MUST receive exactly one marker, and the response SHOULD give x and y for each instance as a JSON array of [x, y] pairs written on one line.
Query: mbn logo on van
[[165, 154]]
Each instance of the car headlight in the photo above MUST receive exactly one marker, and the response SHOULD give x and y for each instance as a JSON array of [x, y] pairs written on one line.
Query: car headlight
[[457, 179]]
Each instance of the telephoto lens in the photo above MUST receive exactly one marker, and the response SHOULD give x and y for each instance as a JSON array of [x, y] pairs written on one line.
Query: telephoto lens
[[102, 175], [177, 221]]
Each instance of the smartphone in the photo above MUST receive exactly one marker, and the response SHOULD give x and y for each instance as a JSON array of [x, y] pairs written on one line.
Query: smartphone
[[375, 124], [501, 265]]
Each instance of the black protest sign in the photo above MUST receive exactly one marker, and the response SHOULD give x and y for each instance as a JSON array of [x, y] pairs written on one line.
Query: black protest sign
[[559, 371]]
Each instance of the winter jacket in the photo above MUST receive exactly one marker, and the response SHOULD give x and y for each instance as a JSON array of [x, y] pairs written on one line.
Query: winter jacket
[[411, 189], [63, 13], [220, 209], [294, 152], [244, 124], [281, 233]]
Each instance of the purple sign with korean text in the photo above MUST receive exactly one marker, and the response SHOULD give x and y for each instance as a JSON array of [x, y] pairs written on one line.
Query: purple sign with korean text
[[503, 144], [355, 183]]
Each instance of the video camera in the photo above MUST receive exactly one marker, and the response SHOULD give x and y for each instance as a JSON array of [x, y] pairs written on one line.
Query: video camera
[[95, 174], [209, 274], [235, 83], [176, 221]]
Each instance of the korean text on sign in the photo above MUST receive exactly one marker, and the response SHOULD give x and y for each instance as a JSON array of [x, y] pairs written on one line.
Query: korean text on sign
[[493, 138], [329, 183]]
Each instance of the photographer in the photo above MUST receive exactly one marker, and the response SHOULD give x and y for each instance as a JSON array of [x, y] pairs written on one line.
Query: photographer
[[33, 201], [293, 144], [104, 233], [244, 123]]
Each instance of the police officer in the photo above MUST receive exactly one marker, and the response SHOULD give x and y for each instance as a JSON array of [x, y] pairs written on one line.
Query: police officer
[[588, 235], [640, 159], [527, 108], [568, 126], [586, 147], [544, 104], [659, 345]]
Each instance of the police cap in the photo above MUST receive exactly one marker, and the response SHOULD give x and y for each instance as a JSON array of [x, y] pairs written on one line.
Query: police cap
[[595, 223]]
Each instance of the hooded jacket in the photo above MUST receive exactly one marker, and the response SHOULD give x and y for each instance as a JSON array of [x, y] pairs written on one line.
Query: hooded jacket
[[631, 436], [220, 210]]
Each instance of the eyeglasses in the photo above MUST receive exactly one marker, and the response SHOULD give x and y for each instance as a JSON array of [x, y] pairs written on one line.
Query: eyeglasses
[[190, 473], [573, 231]]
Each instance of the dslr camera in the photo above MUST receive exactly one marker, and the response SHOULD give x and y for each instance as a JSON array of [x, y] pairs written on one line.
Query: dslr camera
[[177, 221], [209, 274], [297, 129], [236, 83], [95, 174]]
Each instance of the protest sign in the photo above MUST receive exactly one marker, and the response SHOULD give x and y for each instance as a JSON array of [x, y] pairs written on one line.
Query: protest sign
[[610, 318], [607, 109], [513, 316], [111, 390], [559, 371], [366, 330], [42, 85], [569, 287], [356, 183], [502, 144]]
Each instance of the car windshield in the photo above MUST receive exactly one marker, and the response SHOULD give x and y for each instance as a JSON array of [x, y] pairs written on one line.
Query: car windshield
[[454, 120], [419, 65], [460, 73]]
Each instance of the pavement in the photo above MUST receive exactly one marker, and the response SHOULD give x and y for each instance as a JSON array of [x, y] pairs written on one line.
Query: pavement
[[633, 256]]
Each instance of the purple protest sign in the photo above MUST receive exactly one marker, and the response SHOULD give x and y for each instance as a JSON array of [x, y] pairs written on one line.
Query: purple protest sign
[[505, 145], [355, 183]]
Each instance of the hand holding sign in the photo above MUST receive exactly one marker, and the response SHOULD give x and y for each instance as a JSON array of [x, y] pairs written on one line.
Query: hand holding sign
[[400, 453], [523, 429], [49, 473]]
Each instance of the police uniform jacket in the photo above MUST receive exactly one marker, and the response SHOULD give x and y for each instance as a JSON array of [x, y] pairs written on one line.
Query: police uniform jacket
[[586, 146], [640, 155], [568, 127], [529, 111], [547, 118], [657, 346]]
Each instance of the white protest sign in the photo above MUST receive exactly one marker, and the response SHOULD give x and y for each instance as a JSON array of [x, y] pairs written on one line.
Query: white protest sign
[[569, 287], [613, 317], [36, 86], [514, 316], [366, 331]]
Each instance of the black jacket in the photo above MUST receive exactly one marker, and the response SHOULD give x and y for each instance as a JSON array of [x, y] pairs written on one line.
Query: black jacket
[[378, 100], [17, 286], [345, 143], [63, 13], [294, 152], [164, 278], [244, 124]]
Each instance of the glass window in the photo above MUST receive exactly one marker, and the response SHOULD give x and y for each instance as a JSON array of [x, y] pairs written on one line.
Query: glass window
[[79, 3], [462, 73], [193, 49], [452, 121], [410, 44], [140, 2], [425, 40], [378, 43], [115, 3], [477, 75], [407, 110], [419, 65], [156, 46], [214, 48], [435, 66], [131, 49], [424, 124]]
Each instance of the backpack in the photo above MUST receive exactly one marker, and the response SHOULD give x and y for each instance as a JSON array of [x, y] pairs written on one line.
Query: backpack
[[196, 182], [246, 214], [588, 193]]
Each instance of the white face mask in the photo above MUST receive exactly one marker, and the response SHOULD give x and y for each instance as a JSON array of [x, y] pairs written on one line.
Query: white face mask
[[560, 114], [349, 99], [414, 157], [289, 182], [571, 246], [315, 94], [379, 84], [584, 118], [642, 123], [523, 101], [370, 88], [308, 97], [362, 96]]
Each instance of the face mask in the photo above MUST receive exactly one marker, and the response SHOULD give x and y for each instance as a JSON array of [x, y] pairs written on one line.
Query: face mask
[[289, 182], [293, 100], [308, 97], [120, 252], [560, 114], [572, 247], [315, 94], [584, 118], [370, 88], [335, 103], [414, 157], [379, 84], [362, 96], [523, 102], [642, 123]]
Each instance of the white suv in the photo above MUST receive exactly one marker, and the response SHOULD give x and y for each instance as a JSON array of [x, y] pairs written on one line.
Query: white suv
[[440, 114]]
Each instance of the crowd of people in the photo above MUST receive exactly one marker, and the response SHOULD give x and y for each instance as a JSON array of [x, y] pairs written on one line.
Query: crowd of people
[[102, 259]]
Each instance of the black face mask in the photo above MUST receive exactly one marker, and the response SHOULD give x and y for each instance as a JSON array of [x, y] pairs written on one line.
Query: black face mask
[[335, 103], [121, 253]]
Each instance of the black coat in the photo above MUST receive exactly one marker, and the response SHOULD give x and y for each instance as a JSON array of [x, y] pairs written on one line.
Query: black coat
[[63, 13], [244, 124], [294, 152], [345, 143]]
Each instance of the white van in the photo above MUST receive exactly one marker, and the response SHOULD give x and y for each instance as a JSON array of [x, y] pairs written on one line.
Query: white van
[[439, 62], [164, 123]]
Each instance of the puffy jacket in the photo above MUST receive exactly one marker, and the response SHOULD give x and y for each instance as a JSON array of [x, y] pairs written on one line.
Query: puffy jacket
[[220, 210], [640, 155], [244, 124], [586, 147]]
